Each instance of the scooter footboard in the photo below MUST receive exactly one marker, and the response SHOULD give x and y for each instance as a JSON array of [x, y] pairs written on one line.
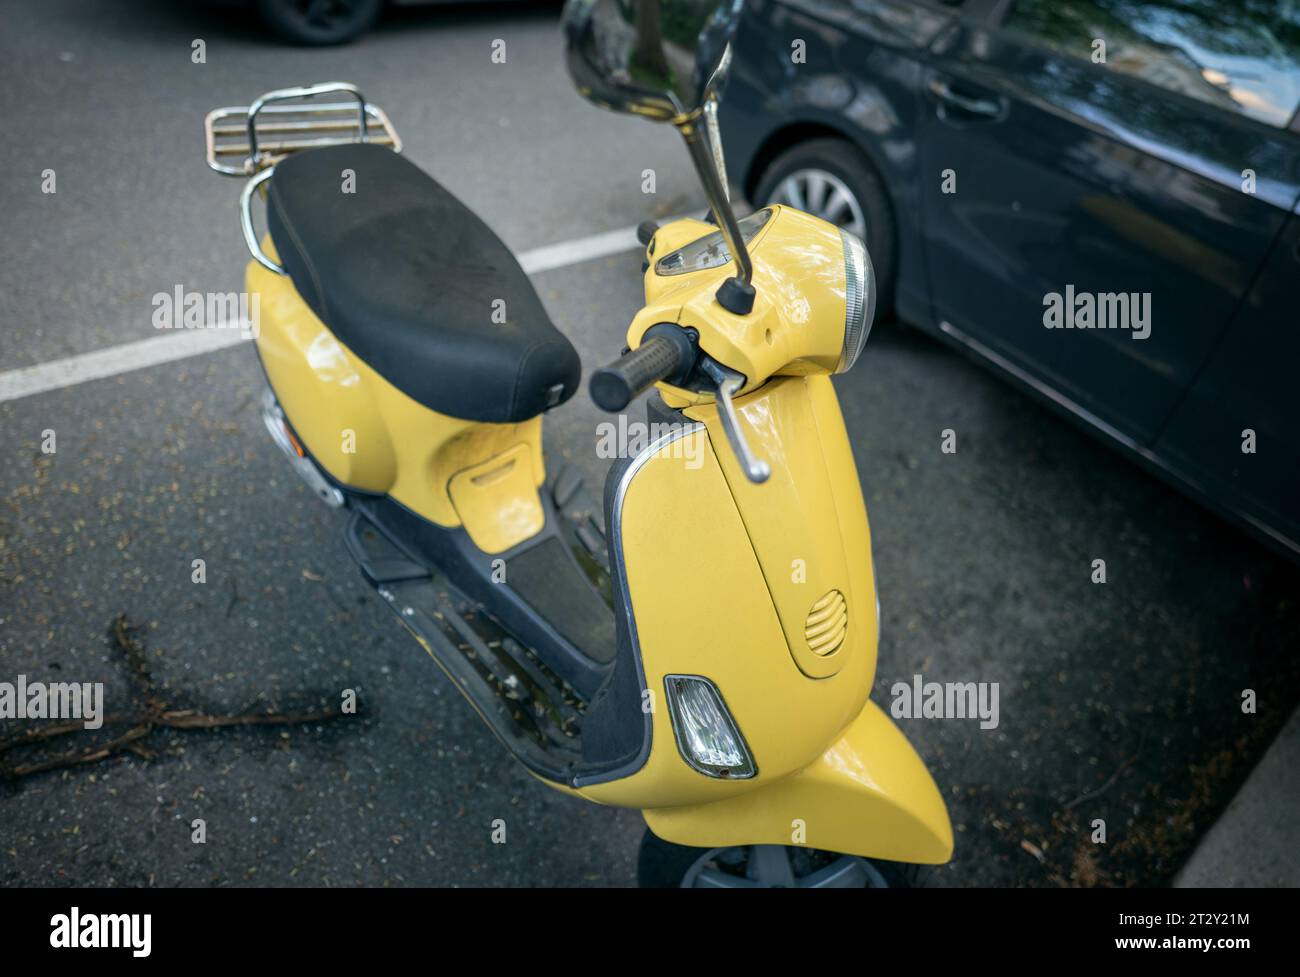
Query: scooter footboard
[[869, 794]]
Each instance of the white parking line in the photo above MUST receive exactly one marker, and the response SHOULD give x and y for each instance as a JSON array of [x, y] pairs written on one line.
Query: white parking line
[[175, 345], [552, 256], [112, 360]]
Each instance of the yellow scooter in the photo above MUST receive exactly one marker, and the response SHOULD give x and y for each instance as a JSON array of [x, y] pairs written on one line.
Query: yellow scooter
[[700, 646]]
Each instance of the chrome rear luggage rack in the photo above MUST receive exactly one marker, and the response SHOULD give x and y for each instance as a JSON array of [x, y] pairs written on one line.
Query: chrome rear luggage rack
[[244, 140], [235, 133]]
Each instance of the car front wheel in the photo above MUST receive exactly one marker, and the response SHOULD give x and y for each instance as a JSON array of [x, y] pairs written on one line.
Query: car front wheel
[[831, 179], [318, 22]]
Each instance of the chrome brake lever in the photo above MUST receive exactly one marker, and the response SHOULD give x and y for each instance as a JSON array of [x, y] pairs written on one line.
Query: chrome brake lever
[[728, 382]]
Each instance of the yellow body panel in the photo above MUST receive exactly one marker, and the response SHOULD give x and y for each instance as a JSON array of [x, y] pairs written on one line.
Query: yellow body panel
[[715, 597], [692, 592], [702, 595], [497, 500], [370, 436], [807, 523], [796, 327], [869, 794]]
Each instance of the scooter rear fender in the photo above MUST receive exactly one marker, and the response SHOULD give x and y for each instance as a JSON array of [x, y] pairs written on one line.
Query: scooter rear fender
[[869, 794]]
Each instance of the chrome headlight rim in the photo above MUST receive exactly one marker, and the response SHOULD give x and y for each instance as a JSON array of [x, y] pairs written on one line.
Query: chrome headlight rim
[[859, 299]]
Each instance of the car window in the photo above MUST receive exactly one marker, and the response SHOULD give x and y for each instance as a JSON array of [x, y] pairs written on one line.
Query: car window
[[1242, 55], [903, 23]]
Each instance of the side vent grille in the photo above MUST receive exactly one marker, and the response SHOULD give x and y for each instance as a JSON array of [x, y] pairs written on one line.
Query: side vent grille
[[827, 624]]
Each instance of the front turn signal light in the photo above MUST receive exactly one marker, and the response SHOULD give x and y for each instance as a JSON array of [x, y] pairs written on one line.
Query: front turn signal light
[[707, 736]]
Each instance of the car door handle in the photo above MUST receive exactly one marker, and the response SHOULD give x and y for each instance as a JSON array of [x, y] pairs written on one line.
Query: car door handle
[[989, 108]]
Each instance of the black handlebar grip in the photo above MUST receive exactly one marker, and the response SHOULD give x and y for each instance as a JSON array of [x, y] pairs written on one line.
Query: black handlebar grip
[[614, 386]]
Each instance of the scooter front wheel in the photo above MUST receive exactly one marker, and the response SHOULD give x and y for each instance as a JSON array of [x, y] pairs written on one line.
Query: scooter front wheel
[[664, 865]]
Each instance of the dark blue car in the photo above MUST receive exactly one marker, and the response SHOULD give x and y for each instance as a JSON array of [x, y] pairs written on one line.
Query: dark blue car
[[1098, 198]]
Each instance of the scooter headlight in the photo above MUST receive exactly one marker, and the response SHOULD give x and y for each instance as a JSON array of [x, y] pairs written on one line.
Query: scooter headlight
[[710, 251], [707, 737], [859, 299]]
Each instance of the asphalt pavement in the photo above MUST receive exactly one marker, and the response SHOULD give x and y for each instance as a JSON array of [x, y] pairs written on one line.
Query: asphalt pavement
[[1119, 701]]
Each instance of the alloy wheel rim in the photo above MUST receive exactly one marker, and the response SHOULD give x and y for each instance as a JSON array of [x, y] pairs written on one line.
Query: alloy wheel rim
[[779, 867], [822, 194]]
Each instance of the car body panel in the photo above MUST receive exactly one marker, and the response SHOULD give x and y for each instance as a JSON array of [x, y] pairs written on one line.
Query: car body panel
[[1249, 385], [1091, 179], [770, 98], [1084, 176]]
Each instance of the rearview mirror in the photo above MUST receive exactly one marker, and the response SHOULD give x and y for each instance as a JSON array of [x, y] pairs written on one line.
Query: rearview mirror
[[659, 59], [666, 60]]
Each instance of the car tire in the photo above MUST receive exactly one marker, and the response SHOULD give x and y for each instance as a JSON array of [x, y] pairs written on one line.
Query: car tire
[[845, 165], [665, 865], [334, 22]]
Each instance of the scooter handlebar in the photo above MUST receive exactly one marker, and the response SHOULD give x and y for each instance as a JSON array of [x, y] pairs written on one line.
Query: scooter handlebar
[[613, 387]]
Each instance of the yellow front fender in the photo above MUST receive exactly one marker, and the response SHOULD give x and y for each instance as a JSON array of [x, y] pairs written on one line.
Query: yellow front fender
[[869, 795]]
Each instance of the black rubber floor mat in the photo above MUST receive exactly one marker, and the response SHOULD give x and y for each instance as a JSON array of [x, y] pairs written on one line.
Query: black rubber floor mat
[[550, 581]]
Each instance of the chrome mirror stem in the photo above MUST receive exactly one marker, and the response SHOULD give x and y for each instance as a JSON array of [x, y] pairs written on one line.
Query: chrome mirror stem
[[707, 159], [715, 141]]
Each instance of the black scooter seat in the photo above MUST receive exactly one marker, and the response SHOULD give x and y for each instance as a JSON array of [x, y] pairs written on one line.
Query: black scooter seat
[[410, 279]]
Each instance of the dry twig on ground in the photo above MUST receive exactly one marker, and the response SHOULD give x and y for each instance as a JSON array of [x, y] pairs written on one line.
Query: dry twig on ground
[[152, 713]]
